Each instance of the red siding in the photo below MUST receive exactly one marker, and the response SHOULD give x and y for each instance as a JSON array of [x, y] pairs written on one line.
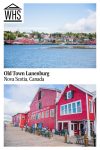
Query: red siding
[[48, 102], [49, 97], [91, 115], [19, 119], [78, 95]]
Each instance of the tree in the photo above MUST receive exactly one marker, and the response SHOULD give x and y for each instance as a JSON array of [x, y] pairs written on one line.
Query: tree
[[8, 35]]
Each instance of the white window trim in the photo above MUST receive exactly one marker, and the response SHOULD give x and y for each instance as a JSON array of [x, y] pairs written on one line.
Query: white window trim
[[90, 101], [68, 93], [71, 108], [53, 112], [47, 111], [42, 115]]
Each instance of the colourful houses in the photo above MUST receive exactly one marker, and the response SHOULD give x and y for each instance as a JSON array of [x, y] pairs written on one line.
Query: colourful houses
[[72, 109]]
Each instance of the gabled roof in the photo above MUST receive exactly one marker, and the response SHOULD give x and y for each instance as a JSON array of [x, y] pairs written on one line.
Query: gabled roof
[[17, 114], [77, 86], [84, 90], [12, 6], [51, 89]]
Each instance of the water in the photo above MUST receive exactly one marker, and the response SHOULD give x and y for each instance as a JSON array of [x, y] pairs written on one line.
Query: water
[[48, 56]]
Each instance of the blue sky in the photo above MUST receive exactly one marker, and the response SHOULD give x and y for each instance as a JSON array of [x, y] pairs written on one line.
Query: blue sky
[[58, 18], [17, 98]]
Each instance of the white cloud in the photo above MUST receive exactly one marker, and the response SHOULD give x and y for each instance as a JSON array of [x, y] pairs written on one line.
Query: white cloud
[[21, 98], [87, 24]]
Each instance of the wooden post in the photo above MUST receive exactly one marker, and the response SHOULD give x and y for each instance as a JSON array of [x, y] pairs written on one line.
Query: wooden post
[[65, 137], [85, 140]]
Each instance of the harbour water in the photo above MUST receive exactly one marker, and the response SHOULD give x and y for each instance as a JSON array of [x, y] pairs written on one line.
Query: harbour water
[[48, 56]]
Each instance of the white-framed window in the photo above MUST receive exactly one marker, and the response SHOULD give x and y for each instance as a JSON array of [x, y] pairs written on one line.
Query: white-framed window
[[51, 112], [42, 114], [66, 109], [69, 94], [74, 108], [46, 113], [71, 108], [62, 110], [39, 115], [79, 106], [91, 106], [33, 116]]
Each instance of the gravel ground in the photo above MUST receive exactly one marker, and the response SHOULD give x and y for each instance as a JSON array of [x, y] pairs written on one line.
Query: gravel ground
[[14, 136]]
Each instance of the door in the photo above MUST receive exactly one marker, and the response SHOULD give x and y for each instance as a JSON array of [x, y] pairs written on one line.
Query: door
[[74, 129], [82, 129], [65, 125], [60, 126]]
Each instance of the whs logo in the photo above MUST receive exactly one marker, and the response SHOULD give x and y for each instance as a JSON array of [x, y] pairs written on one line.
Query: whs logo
[[13, 13]]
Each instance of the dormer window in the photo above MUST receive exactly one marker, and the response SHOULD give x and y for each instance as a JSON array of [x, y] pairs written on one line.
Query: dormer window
[[69, 94]]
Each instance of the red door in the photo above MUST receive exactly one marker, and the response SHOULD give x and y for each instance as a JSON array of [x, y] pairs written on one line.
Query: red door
[[76, 129], [60, 126]]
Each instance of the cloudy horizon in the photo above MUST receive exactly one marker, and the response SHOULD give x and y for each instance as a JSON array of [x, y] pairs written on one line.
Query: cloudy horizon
[[52, 18]]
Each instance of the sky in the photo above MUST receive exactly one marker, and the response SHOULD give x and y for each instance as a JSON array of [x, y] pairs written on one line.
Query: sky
[[17, 98], [75, 17]]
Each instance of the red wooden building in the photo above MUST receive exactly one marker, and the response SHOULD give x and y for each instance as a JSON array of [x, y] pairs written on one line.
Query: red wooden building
[[43, 108], [19, 120], [75, 111]]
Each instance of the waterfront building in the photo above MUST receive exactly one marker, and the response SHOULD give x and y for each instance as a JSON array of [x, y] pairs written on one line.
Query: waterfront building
[[19, 119], [73, 109], [43, 108], [76, 111]]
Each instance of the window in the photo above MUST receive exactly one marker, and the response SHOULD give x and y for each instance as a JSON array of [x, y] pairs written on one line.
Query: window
[[62, 110], [39, 115], [42, 114], [52, 113], [69, 108], [36, 116], [73, 107], [75, 127], [40, 105], [33, 116], [39, 95], [78, 106], [69, 94], [47, 114], [91, 106], [66, 109]]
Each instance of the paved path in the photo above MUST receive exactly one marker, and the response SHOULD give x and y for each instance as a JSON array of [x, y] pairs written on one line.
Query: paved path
[[14, 136]]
